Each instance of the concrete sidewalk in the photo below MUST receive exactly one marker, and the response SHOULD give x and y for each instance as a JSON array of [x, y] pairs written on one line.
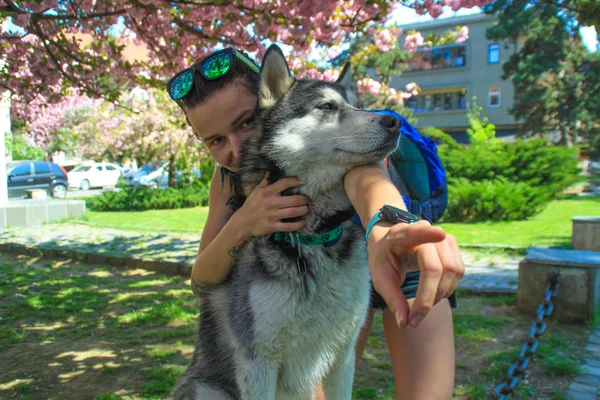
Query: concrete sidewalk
[[493, 273]]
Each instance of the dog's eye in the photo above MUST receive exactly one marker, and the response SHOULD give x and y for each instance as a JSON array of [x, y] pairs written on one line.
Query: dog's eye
[[327, 106]]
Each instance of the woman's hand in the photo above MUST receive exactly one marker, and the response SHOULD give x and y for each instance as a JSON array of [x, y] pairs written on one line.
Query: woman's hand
[[417, 246], [264, 209]]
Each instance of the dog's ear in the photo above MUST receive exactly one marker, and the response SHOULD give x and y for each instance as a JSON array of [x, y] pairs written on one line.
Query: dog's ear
[[275, 77], [345, 79]]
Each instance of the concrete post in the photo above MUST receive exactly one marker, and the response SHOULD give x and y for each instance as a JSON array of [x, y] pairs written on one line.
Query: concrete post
[[586, 233], [4, 131], [578, 273]]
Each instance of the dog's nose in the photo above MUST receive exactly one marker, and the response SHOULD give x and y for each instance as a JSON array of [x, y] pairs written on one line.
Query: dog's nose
[[391, 123]]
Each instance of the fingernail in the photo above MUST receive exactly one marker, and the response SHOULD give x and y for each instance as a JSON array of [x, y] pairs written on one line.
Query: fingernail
[[398, 319], [416, 320]]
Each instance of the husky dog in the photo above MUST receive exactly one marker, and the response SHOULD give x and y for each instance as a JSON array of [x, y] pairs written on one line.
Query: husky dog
[[288, 315]]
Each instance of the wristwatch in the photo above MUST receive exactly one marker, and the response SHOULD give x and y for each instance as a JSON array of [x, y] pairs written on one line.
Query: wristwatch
[[390, 214]]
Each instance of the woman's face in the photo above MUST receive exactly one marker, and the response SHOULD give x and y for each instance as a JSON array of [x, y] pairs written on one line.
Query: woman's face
[[224, 121]]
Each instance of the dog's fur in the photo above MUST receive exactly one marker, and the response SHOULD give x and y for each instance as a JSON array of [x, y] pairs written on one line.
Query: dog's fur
[[269, 332]]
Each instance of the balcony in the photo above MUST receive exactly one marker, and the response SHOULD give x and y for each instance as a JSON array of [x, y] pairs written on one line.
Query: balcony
[[438, 58]]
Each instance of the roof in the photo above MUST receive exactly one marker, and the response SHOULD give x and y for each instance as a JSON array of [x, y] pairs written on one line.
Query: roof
[[448, 22]]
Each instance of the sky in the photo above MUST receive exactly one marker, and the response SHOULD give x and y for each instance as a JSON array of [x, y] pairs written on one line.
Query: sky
[[405, 15]]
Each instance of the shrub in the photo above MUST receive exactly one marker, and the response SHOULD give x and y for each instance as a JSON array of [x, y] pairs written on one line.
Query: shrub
[[533, 162], [493, 200], [492, 180], [140, 198]]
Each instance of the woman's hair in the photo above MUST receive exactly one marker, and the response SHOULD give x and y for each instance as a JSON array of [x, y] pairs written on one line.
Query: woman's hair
[[203, 88]]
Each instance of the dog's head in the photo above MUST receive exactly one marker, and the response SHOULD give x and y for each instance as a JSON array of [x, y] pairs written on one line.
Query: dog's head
[[309, 127], [311, 124]]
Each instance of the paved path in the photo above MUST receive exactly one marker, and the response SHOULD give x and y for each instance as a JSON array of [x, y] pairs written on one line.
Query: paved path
[[492, 273], [586, 385]]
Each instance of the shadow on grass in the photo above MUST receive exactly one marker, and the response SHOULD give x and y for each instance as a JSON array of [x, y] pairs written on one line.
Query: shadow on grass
[[73, 331]]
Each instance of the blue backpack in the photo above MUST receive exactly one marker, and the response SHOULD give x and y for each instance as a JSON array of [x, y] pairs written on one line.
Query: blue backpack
[[417, 172]]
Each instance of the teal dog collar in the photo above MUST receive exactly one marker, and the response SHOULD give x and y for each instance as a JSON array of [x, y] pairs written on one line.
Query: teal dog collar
[[328, 238]]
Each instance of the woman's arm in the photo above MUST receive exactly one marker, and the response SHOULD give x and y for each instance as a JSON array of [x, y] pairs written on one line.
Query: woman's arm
[[224, 232], [436, 253], [219, 236]]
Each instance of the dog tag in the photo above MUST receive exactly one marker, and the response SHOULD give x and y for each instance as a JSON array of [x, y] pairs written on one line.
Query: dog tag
[[301, 263]]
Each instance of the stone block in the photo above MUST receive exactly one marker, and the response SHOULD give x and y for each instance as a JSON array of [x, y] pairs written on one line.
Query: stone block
[[37, 214], [586, 233], [76, 208], [57, 211], [16, 216], [577, 271], [36, 194]]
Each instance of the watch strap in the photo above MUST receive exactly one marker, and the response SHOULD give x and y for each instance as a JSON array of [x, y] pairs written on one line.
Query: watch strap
[[376, 218]]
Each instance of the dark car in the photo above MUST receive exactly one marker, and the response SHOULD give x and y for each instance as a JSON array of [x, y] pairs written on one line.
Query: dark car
[[25, 175]]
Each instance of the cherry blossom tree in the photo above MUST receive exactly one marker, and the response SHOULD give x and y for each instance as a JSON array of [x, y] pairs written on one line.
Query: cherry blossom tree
[[50, 125], [145, 126], [81, 44]]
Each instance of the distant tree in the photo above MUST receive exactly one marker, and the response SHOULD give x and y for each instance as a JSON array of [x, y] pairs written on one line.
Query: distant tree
[[549, 70], [20, 148]]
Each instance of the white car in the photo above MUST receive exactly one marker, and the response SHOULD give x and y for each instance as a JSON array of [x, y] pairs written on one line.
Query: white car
[[91, 175]]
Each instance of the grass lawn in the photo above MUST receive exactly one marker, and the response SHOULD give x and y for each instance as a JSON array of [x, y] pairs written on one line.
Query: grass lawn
[[179, 220], [551, 228], [72, 331]]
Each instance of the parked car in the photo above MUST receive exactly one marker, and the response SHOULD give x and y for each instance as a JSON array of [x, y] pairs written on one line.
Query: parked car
[[156, 175], [25, 175], [594, 167], [91, 175], [133, 178]]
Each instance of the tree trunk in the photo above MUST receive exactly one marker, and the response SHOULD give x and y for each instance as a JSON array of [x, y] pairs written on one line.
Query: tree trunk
[[172, 170]]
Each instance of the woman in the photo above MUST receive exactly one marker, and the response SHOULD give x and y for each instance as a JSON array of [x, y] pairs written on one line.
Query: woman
[[218, 95]]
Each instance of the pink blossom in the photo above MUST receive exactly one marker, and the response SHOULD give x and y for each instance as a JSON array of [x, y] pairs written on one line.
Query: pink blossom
[[334, 51], [463, 34], [413, 41], [383, 40], [435, 10], [21, 20], [368, 85]]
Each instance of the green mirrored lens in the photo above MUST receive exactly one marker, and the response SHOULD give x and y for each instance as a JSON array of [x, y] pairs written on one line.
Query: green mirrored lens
[[181, 85], [216, 66]]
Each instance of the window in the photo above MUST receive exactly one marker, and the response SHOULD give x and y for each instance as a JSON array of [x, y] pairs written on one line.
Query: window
[[462, 100], [428, 103], [494, 53], [41, 168], [438, 58], [99, 168], [450, 100], [437, 101], [82, 168], [494, 98], [110, 168], [21, 170]]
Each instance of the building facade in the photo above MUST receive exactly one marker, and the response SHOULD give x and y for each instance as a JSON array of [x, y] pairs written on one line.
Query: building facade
[[449, 76]]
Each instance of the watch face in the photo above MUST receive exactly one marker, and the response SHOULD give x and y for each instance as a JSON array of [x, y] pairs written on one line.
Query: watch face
[[395, 214]]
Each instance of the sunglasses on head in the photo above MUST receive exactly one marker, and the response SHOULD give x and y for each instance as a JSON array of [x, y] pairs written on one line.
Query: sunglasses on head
[[215, 66]]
